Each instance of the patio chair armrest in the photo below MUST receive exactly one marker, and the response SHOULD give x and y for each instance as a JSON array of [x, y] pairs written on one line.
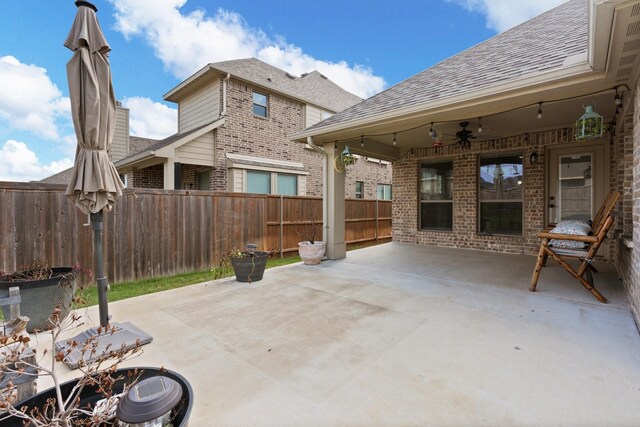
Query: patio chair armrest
[[573, 237]]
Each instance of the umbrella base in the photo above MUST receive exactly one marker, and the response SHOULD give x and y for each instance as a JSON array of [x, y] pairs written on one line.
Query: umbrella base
[[125, 337]]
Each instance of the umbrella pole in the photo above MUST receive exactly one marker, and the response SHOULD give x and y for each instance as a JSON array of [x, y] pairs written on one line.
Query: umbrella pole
[[96, 225]]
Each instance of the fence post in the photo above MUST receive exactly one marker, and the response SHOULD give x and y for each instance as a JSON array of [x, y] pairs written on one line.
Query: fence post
[[281, 226], [377, 215]]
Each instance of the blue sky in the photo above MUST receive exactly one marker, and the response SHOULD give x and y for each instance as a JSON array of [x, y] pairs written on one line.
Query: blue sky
[[363, 45]]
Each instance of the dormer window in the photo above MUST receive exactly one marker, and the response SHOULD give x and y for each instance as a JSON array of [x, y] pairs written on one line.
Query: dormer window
[[259, 104]]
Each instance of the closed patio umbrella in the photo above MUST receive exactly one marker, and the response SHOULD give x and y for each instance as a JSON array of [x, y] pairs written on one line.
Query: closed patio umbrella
[[95, 185]]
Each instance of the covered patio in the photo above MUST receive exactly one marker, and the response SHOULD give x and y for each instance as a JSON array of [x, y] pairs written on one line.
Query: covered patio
[[398, 334]]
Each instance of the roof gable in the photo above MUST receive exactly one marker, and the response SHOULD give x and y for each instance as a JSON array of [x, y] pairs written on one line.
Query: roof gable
[[313, 87]]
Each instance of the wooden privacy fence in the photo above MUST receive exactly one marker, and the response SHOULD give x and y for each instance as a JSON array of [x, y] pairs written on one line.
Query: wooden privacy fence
[[152, 233]]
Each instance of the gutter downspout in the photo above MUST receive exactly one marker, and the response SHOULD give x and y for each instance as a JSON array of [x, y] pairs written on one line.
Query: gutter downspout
[[325, 179], [224, 95]]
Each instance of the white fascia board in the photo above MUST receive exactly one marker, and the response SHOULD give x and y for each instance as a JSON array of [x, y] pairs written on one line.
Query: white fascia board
[[130, 161], [582, 72], [169, 150], [201, 72]]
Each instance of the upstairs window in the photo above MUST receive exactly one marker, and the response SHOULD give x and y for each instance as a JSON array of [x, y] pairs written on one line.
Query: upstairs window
[[500, 195], [436, 196], [259, 104]]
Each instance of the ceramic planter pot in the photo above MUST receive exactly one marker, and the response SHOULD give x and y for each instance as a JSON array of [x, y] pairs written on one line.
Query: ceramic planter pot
[[90, 395], [312, 253], [40, 297], [250, 268]]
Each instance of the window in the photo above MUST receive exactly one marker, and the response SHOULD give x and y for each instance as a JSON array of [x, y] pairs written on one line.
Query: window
[[287, 184], [325, 115], [436, 196], [500, 195], [384, 191], [359, 190], [258, 182], [259, 104]]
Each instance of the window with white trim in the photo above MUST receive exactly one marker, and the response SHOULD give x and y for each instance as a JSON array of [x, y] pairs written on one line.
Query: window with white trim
[[359, 190], [258, 182], [383, 191]]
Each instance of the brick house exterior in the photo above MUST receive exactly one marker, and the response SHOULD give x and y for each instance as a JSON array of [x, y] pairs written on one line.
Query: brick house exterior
[[239, 142], [519, 95]]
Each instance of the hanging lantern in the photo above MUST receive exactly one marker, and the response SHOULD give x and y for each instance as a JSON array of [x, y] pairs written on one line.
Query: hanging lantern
[[589, 125], [347, 157]]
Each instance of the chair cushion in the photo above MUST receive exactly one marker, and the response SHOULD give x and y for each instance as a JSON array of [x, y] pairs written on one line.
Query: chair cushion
[[572, 227]]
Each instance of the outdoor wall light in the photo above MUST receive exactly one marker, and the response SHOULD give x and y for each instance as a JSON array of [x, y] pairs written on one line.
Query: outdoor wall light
[[533, 158]]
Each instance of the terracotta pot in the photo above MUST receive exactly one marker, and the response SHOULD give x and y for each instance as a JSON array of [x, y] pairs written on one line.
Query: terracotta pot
[[312, 253]]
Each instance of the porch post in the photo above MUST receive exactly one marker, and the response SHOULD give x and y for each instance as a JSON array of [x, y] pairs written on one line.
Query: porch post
[[169, 174], [334, 200]]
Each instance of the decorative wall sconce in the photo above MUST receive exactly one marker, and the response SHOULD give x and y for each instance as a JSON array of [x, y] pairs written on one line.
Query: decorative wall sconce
[[533, 158]]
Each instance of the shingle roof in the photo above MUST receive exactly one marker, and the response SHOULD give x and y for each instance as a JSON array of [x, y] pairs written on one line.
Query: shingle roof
[[312, 87], [539, 45], [63, 177], [138, 144]]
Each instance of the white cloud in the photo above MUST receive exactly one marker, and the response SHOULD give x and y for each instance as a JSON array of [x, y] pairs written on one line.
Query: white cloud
[[187, 42], [19, 163], [150, 119], [29, 100], [504, 14]]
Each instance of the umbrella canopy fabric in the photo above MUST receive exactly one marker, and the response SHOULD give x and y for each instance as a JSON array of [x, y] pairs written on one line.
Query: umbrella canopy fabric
[[95, 184]]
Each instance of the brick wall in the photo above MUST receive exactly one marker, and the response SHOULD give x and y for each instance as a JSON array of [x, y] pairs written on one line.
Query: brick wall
[[370, 173], [151, 177], [628, 258], [247, 134], [465, 181]]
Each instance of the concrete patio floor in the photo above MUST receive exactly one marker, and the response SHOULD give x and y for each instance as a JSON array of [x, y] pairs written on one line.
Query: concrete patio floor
[[399, 335]]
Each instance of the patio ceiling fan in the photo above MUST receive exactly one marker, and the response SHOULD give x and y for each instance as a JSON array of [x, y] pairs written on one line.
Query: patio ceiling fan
[[464, 135]]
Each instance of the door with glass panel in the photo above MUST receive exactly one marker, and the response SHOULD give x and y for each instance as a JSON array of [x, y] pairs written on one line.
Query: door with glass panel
[[577, 181]]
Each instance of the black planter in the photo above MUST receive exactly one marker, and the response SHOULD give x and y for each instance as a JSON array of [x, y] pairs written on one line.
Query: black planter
[[90, 395], [40, 297], [250, 267]]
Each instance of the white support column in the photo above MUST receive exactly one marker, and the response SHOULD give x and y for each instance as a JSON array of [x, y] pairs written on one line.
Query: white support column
[[333, 199], [169, 174]]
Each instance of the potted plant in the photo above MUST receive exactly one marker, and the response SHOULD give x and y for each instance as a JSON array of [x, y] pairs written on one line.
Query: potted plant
[[42, 288], [248, 265], [311, 250], [98, 395]]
